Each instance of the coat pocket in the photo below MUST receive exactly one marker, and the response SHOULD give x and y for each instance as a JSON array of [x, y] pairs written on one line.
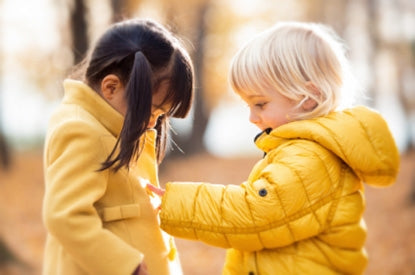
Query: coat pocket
[[119, 212]]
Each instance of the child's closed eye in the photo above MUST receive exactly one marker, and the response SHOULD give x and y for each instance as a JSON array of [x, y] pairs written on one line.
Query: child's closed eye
[[261, 105]]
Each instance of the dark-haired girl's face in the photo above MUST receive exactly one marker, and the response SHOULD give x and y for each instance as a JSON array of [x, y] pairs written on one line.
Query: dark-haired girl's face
[[158, 105]]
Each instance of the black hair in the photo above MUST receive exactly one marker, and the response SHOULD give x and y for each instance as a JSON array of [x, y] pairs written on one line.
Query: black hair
[[142, 53]]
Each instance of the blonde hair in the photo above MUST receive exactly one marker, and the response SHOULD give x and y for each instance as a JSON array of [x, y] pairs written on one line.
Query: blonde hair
[[289, 55]]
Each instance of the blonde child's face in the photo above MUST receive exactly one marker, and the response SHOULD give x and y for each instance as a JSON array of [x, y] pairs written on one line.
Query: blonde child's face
[[269, 110]]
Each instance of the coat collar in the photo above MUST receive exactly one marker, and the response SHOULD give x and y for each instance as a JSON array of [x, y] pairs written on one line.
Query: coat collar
[[77, 92], [267, 141]]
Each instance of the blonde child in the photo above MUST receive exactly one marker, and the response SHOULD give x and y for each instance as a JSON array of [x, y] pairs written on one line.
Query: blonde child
[[301, 209], [108, 131]]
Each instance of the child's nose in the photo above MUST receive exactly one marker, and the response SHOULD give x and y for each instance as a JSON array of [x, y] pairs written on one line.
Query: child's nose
[[253, 118], [152, 123]]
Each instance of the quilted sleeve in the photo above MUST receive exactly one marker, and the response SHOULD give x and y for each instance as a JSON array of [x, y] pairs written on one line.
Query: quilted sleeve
[[287, 200]]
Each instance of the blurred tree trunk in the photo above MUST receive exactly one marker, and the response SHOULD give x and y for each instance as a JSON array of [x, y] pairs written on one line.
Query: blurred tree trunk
[[117, 7], [120, 9], [4, 149], [5, 158], [193, 142], [124, 9], [5, 155], [7, 257], [79, 30]]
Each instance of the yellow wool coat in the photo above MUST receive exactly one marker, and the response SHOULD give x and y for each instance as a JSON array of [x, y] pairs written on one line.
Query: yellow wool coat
[[300, 211], [98, 222]]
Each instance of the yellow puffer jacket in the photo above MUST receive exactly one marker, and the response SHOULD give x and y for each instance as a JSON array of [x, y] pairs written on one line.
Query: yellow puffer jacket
[[300, 211]]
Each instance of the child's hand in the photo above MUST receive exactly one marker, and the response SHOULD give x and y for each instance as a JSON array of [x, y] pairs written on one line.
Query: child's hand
[[158, 191], [151, 190], [154, 193]]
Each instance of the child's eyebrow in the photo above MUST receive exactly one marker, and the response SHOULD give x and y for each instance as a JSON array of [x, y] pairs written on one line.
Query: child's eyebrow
[[254, 96]]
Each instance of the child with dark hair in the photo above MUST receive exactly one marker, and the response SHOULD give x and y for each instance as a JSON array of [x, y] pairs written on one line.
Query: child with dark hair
[[110, 130]]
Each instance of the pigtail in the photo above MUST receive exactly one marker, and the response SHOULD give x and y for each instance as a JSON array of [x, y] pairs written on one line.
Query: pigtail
[[138, 92]]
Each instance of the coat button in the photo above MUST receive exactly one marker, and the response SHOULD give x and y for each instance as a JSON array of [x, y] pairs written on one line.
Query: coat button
[[263, 192]]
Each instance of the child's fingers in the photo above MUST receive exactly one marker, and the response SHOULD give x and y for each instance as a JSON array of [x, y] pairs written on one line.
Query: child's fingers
[[158, 191]]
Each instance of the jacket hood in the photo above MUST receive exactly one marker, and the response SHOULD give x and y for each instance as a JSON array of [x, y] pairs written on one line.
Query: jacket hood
[[359, 136]]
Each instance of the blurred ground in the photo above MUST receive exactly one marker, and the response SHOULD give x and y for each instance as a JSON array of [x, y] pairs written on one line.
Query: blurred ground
[[389, 216]]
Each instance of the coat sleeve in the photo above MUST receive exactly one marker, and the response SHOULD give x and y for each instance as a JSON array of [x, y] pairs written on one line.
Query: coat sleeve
[[288, 200], [73, 185]]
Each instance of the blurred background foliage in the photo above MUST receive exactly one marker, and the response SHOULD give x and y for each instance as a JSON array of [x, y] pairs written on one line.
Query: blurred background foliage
[[41, 41]]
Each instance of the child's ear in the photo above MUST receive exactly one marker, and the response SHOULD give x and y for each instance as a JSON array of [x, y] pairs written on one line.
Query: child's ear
[[311, 103], [110, 85]]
